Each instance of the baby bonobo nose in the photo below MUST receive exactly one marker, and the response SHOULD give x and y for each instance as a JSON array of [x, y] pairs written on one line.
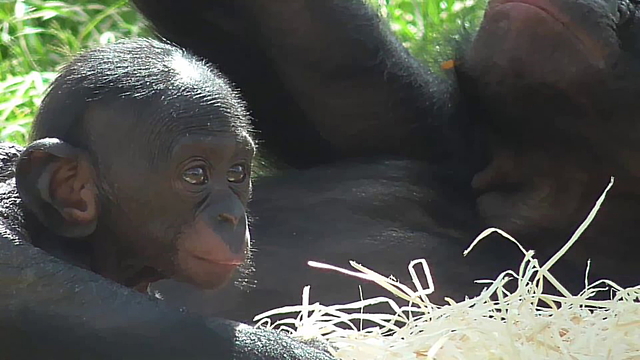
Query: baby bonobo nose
[[229, 218]]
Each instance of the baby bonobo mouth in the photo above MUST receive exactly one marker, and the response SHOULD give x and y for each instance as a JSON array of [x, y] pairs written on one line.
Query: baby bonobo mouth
[[211, 250], [232, 263]]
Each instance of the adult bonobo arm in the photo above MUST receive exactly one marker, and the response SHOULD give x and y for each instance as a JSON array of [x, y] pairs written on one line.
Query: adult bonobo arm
[[50, 309], [329, 72]]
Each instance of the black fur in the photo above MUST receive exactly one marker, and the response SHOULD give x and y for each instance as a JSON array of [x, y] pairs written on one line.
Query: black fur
[[50, 309], [51, 305], [523, 134]]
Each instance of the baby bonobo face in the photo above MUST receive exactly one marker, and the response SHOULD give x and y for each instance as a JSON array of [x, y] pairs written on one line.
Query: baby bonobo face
[[141, 166], [180, 208], [213, 178], [147, 201]]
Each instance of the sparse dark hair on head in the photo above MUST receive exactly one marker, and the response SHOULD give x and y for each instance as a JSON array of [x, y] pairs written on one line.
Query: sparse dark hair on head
[[172, 82]]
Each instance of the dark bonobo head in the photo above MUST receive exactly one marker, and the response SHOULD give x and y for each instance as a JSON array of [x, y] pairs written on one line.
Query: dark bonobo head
[[142, 154], [553, 84]]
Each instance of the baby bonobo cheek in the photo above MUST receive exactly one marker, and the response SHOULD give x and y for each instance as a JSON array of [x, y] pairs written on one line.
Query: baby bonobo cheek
[[208, 257]]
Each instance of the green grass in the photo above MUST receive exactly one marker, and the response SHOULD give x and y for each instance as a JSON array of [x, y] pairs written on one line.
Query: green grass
[[430, 28], [37, 37]]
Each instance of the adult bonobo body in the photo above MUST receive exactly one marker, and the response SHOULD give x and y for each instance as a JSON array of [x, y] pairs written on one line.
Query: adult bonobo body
[[537, 115], [139, 170]]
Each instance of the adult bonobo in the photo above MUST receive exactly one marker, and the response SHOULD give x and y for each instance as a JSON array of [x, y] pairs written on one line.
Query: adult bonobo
[[139, 170], [525, 133]]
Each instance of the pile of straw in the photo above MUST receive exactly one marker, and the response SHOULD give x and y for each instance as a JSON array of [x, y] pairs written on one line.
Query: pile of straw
[[497, 324]]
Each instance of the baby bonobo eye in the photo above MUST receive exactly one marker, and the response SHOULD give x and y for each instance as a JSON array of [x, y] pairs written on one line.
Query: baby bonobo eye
[[236, 173], [195, 175]]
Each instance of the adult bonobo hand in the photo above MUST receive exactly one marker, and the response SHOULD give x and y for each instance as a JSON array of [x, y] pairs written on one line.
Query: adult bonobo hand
[[139, 170]]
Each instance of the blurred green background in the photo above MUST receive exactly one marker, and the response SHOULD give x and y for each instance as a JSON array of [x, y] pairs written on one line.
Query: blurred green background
[[37, 37]]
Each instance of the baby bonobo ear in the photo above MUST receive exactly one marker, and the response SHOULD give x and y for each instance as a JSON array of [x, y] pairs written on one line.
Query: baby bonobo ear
[[56, 182]]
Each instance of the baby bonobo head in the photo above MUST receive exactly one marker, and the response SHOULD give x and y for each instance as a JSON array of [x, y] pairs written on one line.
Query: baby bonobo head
[[141, 156]]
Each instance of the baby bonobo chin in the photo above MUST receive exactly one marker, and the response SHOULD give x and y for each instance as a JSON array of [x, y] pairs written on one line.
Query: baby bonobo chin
[[138, 172]]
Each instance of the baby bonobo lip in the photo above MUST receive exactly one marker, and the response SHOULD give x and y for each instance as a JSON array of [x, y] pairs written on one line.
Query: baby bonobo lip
[[208, 273], [231, 261], [208, 256]]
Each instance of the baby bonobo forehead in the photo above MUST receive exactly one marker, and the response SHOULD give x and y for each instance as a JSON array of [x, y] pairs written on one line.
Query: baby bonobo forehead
[[217, 147], [171, 101], [155, 133]]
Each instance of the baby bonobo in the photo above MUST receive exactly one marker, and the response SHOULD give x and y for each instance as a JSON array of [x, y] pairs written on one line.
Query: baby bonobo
[[140, 167]]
